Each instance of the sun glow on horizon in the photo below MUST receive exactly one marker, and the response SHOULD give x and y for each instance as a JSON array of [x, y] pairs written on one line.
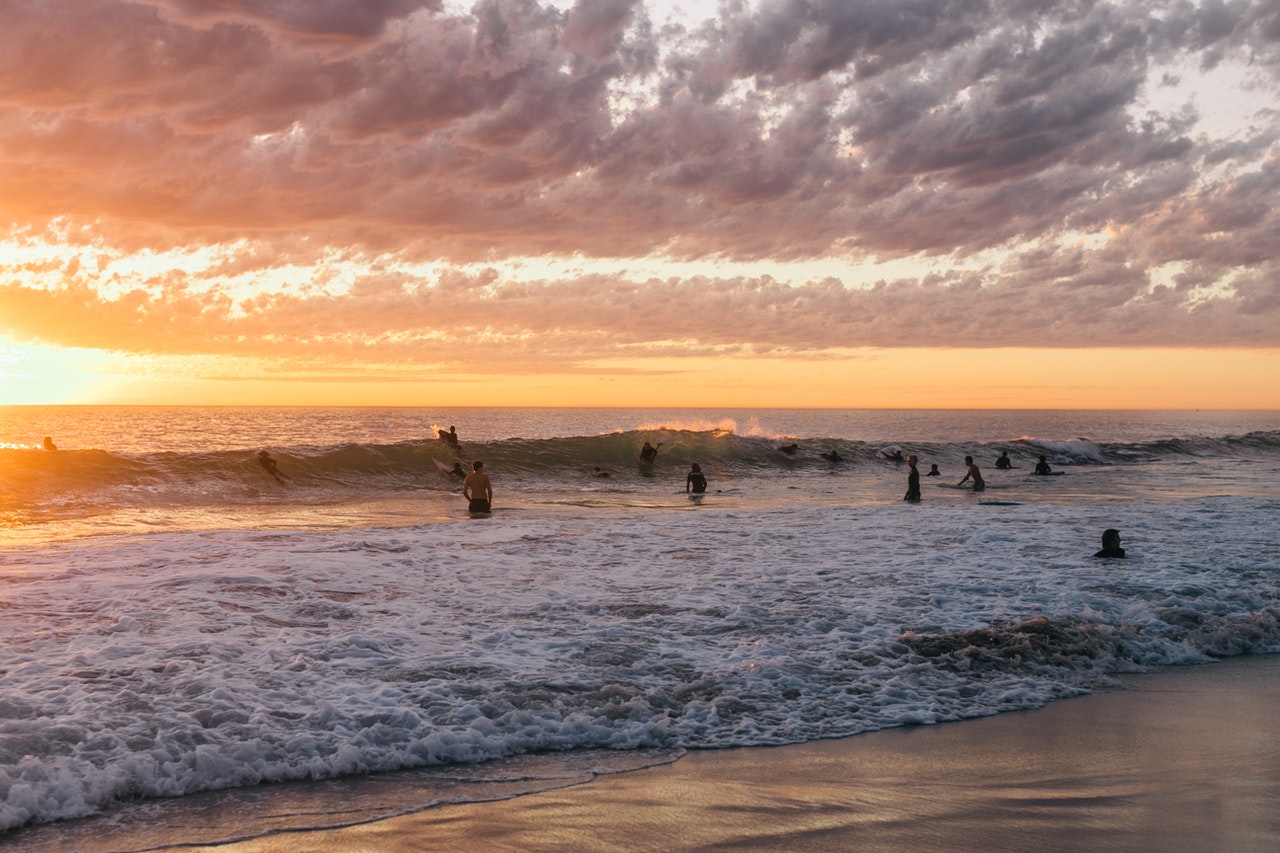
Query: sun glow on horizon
[[1004, 378]]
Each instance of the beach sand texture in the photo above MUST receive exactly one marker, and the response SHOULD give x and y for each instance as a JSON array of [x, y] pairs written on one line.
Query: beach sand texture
[[1184, 759]]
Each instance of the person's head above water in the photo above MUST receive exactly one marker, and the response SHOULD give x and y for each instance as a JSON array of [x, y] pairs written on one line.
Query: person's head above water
[[1111, 538]]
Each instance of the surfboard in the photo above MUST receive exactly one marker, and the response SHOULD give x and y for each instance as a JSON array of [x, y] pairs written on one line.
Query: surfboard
[[889, 451], [1000, 503]]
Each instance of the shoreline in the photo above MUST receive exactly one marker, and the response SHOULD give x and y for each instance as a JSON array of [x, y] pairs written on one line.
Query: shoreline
[[1186, 758]]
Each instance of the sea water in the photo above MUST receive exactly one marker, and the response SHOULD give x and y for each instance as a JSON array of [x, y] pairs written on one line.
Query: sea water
[[177, 624]]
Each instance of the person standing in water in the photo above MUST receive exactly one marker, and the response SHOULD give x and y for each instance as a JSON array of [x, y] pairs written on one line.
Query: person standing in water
[[913, 481], [1004, 463], [696, 482], [477, 489], [1042, 467], [649, 453], [972, 473]]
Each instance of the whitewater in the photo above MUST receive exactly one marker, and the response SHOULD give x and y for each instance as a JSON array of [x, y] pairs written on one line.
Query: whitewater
[[176, 622]]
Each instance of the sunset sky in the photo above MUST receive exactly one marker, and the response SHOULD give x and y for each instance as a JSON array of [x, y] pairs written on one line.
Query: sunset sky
[[834, 203]]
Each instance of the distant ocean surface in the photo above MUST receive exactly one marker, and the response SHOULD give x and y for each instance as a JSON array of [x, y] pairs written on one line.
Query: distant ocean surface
[[178, 624]]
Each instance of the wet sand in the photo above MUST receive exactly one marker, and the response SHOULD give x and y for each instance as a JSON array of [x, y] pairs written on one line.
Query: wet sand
[[1185, 759]]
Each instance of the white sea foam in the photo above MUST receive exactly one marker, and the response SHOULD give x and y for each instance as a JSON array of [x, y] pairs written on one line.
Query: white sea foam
[[174, 663]]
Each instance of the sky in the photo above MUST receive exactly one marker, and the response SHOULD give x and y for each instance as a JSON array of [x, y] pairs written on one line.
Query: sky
[[787, 203]]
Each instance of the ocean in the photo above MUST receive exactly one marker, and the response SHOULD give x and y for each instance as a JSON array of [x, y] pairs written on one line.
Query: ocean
[[184, 638]]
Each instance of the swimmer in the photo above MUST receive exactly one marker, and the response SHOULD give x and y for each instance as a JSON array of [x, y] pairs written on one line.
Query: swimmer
[[1110, 544], [1042, 467], [600, 472], [833, 456], [1004, 463], [789, 449], [48, 443], [933, 471], [648, 453]]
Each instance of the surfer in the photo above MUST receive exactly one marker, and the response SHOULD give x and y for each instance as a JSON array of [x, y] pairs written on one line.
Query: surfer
[[649, 453], [270, 466], [1042, 467], [933, 471], [972, 473], [696, 482], [449, 437], [1004, 463], [48, 443], [894, 455], [456, 471], [833, 456], [790, 449], [913, 481], [477, 489], [1110, 544]]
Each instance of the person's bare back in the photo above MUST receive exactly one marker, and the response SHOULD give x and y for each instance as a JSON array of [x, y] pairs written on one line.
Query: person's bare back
[[477, 489]]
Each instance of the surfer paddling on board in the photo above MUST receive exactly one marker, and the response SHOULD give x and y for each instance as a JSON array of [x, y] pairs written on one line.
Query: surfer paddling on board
[[913, 481], [477, 489], [972, 473], [269, 465]]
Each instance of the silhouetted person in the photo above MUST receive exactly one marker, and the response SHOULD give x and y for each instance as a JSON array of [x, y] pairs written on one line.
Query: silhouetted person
[[450, 437], [1004, 463], [477, 489], [1110, 544], [269, 465], [933, 471], [695, 482], [789, 449], [913, 481], [600, 472], [972, 473], [456, 471], [1042, 467], [48, 443], [648, 453], [833, 456]]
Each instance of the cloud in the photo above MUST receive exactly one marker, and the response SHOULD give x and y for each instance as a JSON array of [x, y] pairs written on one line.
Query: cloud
[[1014, 150]]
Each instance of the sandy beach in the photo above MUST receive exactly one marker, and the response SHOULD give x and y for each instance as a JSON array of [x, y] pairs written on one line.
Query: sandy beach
[[1184, 759]]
